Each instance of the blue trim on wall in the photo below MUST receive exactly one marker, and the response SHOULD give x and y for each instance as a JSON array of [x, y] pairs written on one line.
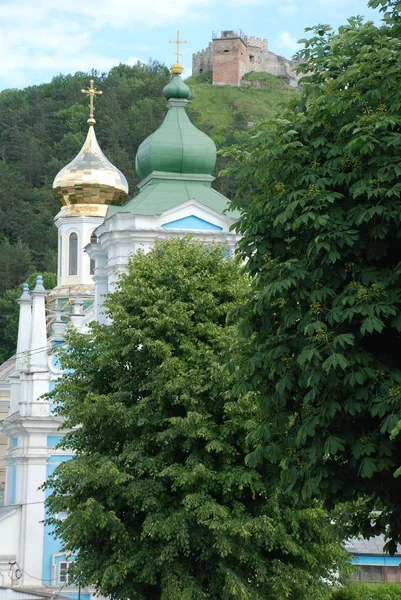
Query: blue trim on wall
[[51, 545], [380, 560], [56, 459], [52, 385], [53, 440], [14, 482], [192, 222], [56, 364], [15, 441], [75, 596]]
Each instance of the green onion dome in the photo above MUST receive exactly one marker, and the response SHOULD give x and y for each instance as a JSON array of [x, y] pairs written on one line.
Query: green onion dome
[[177, 89], [177, 147]]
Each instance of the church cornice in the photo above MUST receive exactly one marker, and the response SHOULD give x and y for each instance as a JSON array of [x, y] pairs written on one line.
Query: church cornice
[[183, 177]]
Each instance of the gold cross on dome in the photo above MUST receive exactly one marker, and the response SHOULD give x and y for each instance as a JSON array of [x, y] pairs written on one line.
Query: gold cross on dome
[[92, 92], [178, 42]]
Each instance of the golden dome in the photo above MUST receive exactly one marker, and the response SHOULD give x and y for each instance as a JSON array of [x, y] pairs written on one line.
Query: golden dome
[[90, 183]]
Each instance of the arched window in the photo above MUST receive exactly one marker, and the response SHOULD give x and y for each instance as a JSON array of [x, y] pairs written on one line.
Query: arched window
[[92, 265], [73, 254]]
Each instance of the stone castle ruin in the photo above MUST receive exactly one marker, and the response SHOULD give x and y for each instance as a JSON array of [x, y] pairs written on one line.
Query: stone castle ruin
[[231, 54]]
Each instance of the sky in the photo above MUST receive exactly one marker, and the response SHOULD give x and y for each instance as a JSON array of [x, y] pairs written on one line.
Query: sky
[[43, 38]]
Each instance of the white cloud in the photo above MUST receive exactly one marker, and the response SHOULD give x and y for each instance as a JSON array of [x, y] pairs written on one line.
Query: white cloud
[[285, 43], [133, 60], [286, 40], [127, 14], [53, 36]]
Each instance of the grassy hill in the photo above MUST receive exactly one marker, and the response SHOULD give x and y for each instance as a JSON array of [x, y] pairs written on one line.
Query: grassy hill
[[217, 109]]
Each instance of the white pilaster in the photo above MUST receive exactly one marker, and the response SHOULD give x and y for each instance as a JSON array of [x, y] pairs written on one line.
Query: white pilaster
[[101, 280], [36, 380], [77, 318], [32, 476], [58, 327], [23, 341], [24, 328], [38, 342]]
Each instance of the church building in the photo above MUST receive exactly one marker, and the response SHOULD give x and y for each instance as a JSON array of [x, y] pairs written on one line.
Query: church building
[[99, 227]]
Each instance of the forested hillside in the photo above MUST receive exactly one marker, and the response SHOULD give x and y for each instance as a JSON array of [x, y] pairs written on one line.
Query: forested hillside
[[43, 127]]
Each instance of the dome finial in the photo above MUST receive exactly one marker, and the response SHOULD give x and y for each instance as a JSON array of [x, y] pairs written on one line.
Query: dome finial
[[177, 67], [92, 92]]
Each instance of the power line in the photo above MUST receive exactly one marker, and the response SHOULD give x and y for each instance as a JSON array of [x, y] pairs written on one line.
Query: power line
[[37, 578], [31, 352], [21, 504], [43, 581]]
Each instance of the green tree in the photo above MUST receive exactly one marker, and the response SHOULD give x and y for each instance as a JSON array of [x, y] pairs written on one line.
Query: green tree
[[15, 263], [9, 313], [160, 503], [322, 240]]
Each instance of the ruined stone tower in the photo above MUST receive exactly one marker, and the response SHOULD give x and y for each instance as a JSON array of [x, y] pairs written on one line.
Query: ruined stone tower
[[229, 59], [231, 54]]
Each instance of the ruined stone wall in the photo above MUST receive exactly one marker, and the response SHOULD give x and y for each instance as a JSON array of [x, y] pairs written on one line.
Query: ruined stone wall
[[202, 61], [268, 62], [255, 42], [231, 57]]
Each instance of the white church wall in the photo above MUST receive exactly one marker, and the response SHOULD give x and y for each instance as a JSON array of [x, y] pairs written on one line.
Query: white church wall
[[4, 403], [9, 539], [83, 227]]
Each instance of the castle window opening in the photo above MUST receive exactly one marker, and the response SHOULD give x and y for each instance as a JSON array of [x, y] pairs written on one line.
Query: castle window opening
[[200, 70], [251, 57], [226, 50]]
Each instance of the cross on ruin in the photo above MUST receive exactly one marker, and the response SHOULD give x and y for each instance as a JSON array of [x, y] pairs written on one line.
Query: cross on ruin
[[178, 42], [92, 92]]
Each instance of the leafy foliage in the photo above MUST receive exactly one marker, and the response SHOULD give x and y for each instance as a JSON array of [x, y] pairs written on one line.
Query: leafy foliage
[[9, 313], [369, 591], [160, 503], [344, 593], [322, 233]]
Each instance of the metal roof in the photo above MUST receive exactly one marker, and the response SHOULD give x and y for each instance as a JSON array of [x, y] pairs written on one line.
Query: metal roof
[[16, 593], [6, 368], [373, 545]]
